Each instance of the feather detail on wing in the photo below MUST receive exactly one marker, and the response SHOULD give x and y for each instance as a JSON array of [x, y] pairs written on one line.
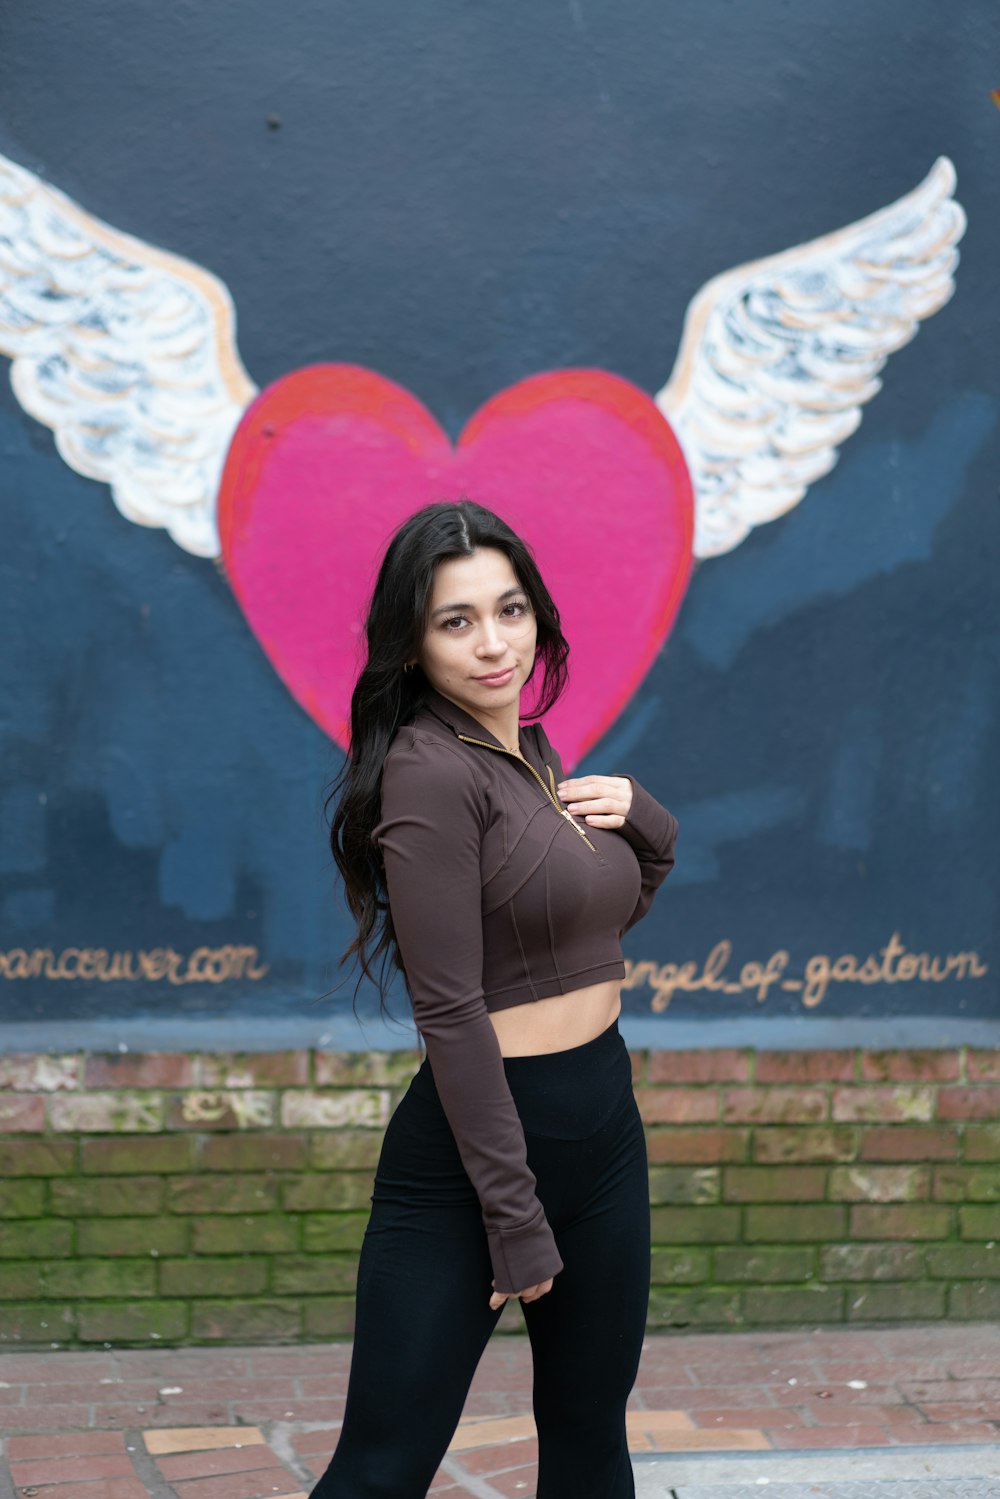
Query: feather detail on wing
[[779, 356], [126, 352]]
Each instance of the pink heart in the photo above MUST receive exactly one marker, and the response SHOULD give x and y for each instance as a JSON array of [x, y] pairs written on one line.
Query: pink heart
[[328, 461]]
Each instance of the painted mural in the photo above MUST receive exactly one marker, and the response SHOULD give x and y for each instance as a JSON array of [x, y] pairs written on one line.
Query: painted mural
[[136, 761]]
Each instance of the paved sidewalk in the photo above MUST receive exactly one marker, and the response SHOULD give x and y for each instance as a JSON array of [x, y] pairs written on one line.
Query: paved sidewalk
[[712, 1415]]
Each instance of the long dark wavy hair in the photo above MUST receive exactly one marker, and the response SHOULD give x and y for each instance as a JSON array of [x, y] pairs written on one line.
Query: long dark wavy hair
[[385, 697]]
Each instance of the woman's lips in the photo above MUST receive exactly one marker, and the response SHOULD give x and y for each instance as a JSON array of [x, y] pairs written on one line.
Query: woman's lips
[[499, 679]]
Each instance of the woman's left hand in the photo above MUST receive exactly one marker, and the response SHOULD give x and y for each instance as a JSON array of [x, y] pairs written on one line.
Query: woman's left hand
[[603, 801]]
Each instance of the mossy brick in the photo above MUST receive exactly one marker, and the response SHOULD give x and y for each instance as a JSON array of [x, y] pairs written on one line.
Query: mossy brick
[[328, 1316], [131, 1113], [95, 1280], [804, 1067], [872, 1262], [977, 1102], [775, 1105], [28, 1323], [910, 1142], [263, 1233], [706, 1306], [117, 1237], [695, 1225], [880, 1183], [708, 1066], [107, 1197], [37, 1158], [775, 1145], [774, 1183], [252, 1069], [967, 1184], [673, 1105], [794, 1224], [345, 1150], [900, 1104], [333, 1108], [168, 1069], [911, 1066], [213, 1277], [314, 1275], [246, 1321], [326, 1233], [669, 1184], [976, 1301], [252, 1152], [741, 1263], [982, 1142], [896, 1221], [34, 1072], [21, 1199], [117, 1155], [365, 1069], [22, 1114], [327, 1194], [696, 1147], [983, 1066], [22, 1280], [766, 1305], [141, 1322], [975, 1222], [239, 1108], [680, 1267], [31, 1238], [222, 1194], [963, 1261], [913, 1302]]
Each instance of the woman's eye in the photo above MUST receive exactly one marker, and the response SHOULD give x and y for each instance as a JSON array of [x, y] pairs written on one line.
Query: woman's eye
[[518, 605]]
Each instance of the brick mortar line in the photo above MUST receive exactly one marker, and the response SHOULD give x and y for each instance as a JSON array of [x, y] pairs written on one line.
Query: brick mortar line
[[145, 1467]]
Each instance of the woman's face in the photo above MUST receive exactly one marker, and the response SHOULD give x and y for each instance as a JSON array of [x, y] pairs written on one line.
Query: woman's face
[[480, 624]]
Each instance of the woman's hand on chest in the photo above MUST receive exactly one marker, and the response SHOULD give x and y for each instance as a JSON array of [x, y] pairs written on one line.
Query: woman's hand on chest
[[602, 801]]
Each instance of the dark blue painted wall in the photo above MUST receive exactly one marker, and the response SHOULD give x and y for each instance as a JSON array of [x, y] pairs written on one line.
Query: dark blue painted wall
[[460, 196]]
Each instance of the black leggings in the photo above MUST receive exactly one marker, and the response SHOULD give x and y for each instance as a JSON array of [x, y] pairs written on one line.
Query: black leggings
[[424, 1283]]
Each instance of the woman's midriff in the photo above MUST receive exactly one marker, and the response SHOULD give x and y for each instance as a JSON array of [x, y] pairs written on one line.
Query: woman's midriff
[[559, 1022]]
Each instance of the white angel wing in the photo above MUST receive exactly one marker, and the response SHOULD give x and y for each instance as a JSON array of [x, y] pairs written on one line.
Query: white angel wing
[[779, 356], [126, 352]]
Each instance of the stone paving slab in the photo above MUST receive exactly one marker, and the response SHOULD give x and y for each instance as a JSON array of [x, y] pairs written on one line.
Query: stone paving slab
[[931, 1488]]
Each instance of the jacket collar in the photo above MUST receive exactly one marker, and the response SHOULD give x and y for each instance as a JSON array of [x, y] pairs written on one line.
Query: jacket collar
[[463, 723]]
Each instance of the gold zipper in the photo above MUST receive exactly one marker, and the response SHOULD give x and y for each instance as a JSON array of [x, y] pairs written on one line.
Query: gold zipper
[[550, 794]]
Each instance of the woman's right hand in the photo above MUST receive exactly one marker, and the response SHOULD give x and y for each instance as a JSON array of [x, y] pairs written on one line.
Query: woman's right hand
[[531, 1293]]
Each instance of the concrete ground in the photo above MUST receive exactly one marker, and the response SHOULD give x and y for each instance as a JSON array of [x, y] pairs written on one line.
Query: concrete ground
[[879, 1413]]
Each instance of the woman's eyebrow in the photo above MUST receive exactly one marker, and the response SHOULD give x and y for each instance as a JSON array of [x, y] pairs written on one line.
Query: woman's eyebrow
[[451, 608]]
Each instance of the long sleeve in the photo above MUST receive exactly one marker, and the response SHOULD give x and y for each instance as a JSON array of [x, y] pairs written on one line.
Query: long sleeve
[[430, 835], [651, 831]]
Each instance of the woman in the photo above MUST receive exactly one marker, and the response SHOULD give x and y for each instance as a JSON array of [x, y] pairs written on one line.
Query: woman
[[515, 1164]]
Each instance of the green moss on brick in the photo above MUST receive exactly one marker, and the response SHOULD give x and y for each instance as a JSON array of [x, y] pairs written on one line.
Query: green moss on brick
[[329, 1317], [325, 1233], [263, 1233], [808, 1304], [314, 1275], [812, 1222], [741, 1263], [213, 1277], [246, 1321], [695, 1225], [914, 1302], [21, 1199], [675, 1184], [680, 1267], [110, 1197], [697, 1307], [32, 1323], [114, 1237], [143, 1323], [41, 1238]]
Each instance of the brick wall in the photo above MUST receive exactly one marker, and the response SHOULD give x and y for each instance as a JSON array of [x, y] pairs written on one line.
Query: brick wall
[[217, 1199]]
